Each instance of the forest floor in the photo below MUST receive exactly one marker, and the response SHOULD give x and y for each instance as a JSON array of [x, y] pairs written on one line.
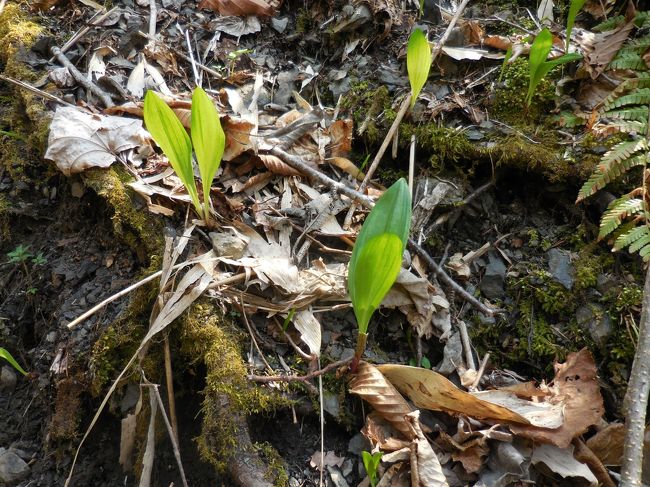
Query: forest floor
[[496, 182]]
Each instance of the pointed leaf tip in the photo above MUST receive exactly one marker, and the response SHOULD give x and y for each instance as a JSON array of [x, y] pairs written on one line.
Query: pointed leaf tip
[[418, 62]]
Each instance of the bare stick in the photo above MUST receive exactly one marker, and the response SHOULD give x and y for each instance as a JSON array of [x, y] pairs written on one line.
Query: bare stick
[[464, 338], [79, 35], [81, 79], [250, 330], [301, 378], [443, 40], [153, 14], [169, 378], [177, 453], [380, 153], [480, 373], [36, 91], [636, 399], [412, 165]]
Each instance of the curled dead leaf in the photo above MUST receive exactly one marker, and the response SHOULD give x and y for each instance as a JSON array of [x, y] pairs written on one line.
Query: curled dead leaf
[[372, 386], [238, 7]]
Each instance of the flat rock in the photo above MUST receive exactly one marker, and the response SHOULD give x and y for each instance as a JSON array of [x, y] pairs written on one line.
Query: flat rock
[[12, 468], [494, 278], [336, 477], [594, 318], [560, 267], [358, 443], [8, 379]]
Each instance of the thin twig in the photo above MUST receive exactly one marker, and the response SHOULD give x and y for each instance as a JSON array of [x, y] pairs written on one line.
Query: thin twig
[[169, 378], [94, 22], [250, 330], [380, 153], [412, 165], [81, 79], [153, 14], [464, 338], [480, 373], [177, 452], [33, 89], [300, 378]]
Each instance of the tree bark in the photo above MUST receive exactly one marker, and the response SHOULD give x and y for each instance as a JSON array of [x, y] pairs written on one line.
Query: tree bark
[[636, 399]]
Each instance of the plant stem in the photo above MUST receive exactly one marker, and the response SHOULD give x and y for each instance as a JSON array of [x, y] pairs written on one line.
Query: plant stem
[[362, 338]]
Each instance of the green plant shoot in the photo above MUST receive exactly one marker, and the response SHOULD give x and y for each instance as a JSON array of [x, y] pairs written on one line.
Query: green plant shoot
[[7, 356], [371, 464], [538, 65], [208, 139], [574, 8], [377, 256], [418, 62]]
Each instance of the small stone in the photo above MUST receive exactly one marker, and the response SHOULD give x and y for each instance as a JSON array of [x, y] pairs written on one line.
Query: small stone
[[331, 404], [294, 482], [336, 478], [595, 319], [279, 24], [495, 274], [559, 263], [606, 283], [8, 379], [227, 245], [50, 337], [358, 443], [347, 468], [12, 468]]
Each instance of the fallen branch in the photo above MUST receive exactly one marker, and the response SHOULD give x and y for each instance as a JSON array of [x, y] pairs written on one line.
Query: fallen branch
[[301, 378], [636, 399], [81, 79]]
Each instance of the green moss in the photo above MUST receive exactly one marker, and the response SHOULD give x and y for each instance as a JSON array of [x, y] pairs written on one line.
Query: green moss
[[140, 230], [304, 21], [209, 338], [372, 106], [277, 472], [442, 143], [4, 217]]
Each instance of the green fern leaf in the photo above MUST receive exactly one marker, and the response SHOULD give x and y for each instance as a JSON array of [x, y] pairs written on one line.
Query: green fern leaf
[[643, 79], [618, 211], [623, 150], [640, 19], [642, 241], [633, 113], [645, 253], [638, 97], [629, 126], [635, 235], [627, 61]]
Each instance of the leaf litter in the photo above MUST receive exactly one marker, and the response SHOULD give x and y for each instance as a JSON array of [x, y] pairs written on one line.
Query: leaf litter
[[517, 427]]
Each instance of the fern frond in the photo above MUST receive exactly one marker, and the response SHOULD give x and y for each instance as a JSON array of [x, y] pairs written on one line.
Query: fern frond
[[630, 60], [645, 253], [640, 19], [643, 79], [635, 45], [637, 234], [642, 241], [617, 212], [623, 150], [606, 173], [629, 126], [637, 97], [632, 113]]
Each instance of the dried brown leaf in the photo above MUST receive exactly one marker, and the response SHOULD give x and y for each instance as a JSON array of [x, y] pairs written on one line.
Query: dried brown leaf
[[608, 443], [238, 8], [238, 137], [277, 166], [340, 133], [577, 390], [372, 386], [600, 49], [430, 390], [428, 466]]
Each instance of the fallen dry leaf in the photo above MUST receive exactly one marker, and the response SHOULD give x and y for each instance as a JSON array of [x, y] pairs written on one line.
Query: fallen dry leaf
[[607, 444], [372, 386], [430, 390], [79, 140], [576, 388], [600, 49], [562, 462], [238, 7], [428, 466]]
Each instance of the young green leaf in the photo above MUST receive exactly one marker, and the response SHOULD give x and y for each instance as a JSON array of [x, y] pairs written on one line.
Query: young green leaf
[[7, 356], [418, 62], [538, 66], [377, 266], [575, 7], [371, 464], [168, 132], [208, 140]]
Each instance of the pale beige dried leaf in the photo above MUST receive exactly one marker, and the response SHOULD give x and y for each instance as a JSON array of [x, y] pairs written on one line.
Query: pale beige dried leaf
[[277, 166], [561, 461], [428, 467], [348, 166], [608, 443], [238, 137], [382, 434], [577, 390], [372, 386], [430, 390]]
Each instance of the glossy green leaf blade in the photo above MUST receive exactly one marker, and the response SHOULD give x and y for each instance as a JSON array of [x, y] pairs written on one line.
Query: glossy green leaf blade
[[208, 139], [538, 54], [418, 62], [391, 214], [377, 266], [170, 135], [8, 357], [576, 6]]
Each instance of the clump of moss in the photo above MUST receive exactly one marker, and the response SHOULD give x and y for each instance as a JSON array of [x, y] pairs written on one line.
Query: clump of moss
[[208, 337], [4, 217], [137, 228], [276, 473], [444, 144], [371, 106], [67, 409]]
